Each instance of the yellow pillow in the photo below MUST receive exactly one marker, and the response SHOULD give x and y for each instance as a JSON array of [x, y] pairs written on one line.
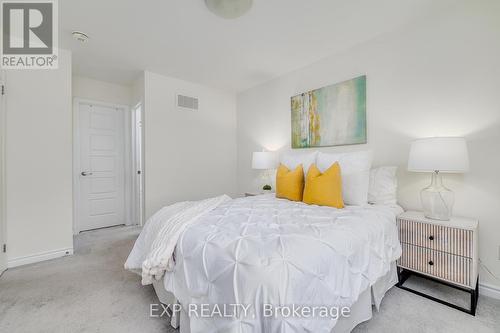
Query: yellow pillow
[[324, 189], [290, 184]]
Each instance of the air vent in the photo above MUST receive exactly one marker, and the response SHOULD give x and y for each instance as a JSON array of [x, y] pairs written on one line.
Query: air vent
[[186, 102]]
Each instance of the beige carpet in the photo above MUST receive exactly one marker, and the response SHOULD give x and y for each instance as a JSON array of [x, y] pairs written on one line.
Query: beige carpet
[[91, 292]]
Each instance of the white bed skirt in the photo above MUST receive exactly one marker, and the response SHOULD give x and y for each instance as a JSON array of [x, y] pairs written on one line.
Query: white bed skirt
[[361, 311]]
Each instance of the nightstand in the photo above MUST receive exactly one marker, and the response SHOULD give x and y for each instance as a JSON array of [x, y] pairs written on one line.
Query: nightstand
[[252, 194], [443, 251]]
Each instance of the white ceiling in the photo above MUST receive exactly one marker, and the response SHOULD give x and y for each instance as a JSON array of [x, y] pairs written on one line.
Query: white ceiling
[[181, 38]]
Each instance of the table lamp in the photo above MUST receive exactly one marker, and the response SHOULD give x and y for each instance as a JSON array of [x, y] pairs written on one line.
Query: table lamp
[[438, 155], [265, 160]]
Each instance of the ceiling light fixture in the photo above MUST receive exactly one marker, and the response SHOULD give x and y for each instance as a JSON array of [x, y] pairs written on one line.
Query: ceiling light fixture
[[229, 9], [80, 36]]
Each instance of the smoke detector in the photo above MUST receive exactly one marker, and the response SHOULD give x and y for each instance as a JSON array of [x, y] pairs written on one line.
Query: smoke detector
[[80, 36], [229, 9]]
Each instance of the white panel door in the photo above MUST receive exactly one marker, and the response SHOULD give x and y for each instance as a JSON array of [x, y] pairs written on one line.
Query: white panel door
[[101, 201], [3, 255]]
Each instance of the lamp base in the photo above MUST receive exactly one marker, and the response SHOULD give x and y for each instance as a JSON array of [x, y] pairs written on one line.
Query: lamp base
[[437, 200]]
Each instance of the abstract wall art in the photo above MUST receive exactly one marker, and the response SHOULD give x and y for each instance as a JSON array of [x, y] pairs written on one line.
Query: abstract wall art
[[331, 116]]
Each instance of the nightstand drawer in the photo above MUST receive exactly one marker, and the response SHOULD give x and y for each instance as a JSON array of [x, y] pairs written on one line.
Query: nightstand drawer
[[442, 265], [436, 237]]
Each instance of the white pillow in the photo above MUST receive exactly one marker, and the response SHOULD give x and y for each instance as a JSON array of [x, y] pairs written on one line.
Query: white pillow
[[355, 172], [293, 160], [383, 185]]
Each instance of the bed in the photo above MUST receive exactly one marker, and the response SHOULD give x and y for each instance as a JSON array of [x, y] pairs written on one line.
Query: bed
[[263, 250]]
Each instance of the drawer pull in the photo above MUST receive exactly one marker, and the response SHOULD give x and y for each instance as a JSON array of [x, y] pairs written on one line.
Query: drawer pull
[[431, 237], [431, 263]]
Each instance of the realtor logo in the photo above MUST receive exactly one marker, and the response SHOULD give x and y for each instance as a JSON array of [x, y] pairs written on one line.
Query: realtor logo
[[29, 31]]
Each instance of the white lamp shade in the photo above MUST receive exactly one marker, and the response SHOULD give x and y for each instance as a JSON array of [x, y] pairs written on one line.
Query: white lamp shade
[[444, 154], [264, 160]]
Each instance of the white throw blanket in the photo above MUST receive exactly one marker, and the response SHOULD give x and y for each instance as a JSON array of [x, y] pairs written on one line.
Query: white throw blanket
[[153, 251]]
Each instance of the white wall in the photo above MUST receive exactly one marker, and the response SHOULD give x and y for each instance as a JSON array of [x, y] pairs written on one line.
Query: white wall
[[189, 155], [38, 162], [440, 78], [138, 91], [101, 91]]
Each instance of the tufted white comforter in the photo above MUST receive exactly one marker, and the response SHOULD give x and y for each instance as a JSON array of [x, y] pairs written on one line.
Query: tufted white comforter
[[262, 250]]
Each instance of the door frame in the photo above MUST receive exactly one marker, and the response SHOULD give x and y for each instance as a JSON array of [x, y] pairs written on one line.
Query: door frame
[[138, 163], [130, 201], [3, 175]]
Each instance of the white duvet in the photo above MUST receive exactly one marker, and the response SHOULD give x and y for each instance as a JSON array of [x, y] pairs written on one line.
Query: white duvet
[[262, 250]]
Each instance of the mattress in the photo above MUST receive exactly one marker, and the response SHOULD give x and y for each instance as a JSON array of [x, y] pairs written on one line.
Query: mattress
[[261, 250]]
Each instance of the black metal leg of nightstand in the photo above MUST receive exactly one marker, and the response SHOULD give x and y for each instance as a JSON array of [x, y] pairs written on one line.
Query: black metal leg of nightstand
[[474, 297], [404, 274]]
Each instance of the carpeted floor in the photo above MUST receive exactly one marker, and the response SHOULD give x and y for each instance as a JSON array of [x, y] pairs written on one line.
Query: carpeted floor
[[91, 292]]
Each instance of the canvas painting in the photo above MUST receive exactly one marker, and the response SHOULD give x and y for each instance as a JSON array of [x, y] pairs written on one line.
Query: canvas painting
[[330, 116]]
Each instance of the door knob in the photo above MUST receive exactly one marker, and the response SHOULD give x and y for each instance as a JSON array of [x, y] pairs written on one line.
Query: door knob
[[86, 173]]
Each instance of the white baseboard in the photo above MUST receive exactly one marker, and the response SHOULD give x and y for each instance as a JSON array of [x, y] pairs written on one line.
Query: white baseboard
[[489, 290], [34, 258]]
